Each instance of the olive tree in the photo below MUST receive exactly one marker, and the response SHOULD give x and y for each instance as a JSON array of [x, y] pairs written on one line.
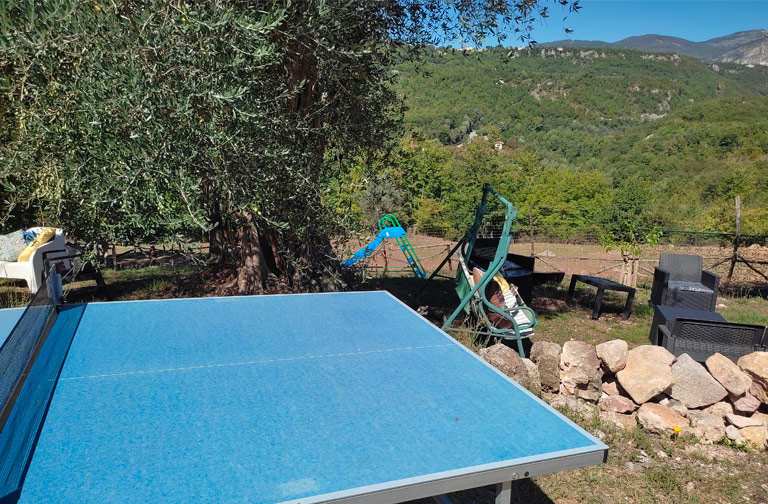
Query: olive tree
[[143, 120]]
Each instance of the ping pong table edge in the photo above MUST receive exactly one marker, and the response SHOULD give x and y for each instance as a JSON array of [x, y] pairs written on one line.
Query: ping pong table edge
[[454, 481], [499, 473], [524, 390]]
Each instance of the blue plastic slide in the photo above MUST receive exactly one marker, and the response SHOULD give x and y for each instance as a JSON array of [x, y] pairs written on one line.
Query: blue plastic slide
[[388, 232]]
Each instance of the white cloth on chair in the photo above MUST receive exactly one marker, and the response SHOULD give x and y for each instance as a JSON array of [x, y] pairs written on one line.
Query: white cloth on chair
[[32, 271]]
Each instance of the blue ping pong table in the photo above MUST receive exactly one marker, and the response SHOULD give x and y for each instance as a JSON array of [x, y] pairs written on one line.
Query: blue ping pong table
[[339, 397]]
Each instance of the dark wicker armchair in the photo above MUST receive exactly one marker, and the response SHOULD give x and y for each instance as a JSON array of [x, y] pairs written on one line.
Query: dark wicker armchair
[[681, 281], [700, 338]]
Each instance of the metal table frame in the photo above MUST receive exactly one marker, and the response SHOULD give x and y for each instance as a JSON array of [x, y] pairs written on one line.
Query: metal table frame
[[602, 284]]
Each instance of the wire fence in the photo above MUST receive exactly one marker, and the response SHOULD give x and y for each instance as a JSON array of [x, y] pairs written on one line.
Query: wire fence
[[587, 255]]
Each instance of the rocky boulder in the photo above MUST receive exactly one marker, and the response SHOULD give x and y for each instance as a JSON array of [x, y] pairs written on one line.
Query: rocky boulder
[[613, 355], [611, 387], [707, 427], [647, 372], [511, 364], [675, 406], [756, 366], [728, 374], [756, 437], [580, 373], [721, 409], [746, 404], [546, 356], [624, 421], [660, 419], [761, 417], [741, 422], [571, 403], [534, 379], [617, 404], [693, 386]]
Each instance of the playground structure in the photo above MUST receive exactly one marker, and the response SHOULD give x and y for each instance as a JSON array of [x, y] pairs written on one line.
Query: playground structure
[[492, 284], [505, 315], [390, 228]]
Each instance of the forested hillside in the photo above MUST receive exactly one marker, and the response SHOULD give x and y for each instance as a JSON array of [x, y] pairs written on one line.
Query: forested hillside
[[536, 92], [592, 136]]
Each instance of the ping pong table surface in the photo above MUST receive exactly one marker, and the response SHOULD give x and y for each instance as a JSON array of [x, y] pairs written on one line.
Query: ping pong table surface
[[337, 397]]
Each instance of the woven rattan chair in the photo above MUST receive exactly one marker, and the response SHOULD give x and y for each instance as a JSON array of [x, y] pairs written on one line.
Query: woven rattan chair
[[681, 281], [700, 339]]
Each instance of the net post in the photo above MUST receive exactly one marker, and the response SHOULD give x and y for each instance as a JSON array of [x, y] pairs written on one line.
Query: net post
[[55, 288]]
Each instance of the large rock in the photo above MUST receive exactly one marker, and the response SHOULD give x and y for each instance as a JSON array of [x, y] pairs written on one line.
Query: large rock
[[611, 387], [693, 386], [503, 358], [613, 355], [624, 421], [723, 369], [721, 409], [617, 404], [580, 372], [707, 427], [741, 422], [756, 366], [756, 437], [746, 404], [546, 356], [571, 404], [534, 380], [660, 419], [732, 432], [760, 417], [511, 364], [647, 372], [675, 406]]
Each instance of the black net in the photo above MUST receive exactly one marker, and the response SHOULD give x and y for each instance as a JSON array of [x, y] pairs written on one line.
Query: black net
[[29, 365], [22, 343]]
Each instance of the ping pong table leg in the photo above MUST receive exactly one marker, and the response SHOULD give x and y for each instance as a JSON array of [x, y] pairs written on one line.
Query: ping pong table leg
[[504, 493], [571, 288], [598, 303], [628, 306]]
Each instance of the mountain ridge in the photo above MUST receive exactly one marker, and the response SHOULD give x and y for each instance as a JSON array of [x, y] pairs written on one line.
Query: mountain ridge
[[748, 47]]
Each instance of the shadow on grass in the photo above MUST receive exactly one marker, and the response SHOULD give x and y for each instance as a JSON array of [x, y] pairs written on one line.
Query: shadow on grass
[[438, 295], [129, 284], [524, 491], [13, 294], [757, 289]]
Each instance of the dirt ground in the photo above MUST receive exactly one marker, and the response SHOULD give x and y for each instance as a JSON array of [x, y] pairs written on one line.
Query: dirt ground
[[585, 259]]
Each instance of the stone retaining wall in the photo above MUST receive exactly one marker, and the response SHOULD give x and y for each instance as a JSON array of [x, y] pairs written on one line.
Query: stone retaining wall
[[649, 386]]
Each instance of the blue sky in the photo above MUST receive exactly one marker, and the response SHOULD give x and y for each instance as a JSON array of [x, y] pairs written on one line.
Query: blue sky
[[612, 20]]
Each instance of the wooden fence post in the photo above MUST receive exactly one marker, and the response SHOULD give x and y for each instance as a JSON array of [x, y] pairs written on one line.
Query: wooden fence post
[[530, 227], [736, 241], [386, 262]]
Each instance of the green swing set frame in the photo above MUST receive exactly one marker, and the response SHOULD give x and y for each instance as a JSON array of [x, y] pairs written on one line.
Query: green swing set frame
[[473, 297]]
